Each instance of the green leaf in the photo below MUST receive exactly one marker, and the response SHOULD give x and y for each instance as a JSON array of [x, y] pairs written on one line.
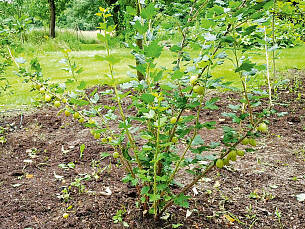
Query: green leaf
[[233, 116], [95, 98], [193, 104], [230, 135], [20, 60], [140, 28], [153, 50], [211, 104], [147, 148], [218, 9], [209, 125], [79, 102], [175, 48], [157, 76], [131, 11], [111, 28], [111, 59], [147, 98], [153, 197], [35, 65], [146, 136], [182, 200], [177, 75], [177, 225], [197, 140], [101, 37], [104, 155], [245, 66], [210, 157], [82, 85], [249, 30], [282, 114], [82, 148], [210, 37], [145, 190], [168, 86], [102, 26], [149, 11], [150, 114], [234, 107]]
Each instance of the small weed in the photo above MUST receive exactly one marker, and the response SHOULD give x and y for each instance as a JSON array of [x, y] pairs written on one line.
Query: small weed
[[177, 225], [2, 135], [70, 165], [78, 182], [279, 216], [250, 213], [65, 194], [300, 153], [118, 217]]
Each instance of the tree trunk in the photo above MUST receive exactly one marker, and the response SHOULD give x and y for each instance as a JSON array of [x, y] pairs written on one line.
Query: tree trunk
[[52, 18]]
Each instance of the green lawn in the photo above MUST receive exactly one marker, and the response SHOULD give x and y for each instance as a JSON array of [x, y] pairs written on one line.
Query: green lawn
[[94, 71]]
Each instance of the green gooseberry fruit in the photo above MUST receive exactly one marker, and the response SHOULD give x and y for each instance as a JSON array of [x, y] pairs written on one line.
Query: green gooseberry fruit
[[47, 98], [219, 163], [198, 89], [42, 90], [245, 141], [76, 115], [262, 127], [252, 142], [174, 139], [67, 113], [97, 135], [57, 104], [240, 153], [193, 80], [116, 155], [173, 120], [232, 155]]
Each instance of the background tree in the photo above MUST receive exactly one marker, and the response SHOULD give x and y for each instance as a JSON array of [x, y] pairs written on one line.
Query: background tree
[[52, 9]]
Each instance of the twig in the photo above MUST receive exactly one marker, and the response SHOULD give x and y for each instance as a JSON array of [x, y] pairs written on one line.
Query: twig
[[208, 169]]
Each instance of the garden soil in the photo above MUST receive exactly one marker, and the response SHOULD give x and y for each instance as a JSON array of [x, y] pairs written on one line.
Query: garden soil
[[257, 191]]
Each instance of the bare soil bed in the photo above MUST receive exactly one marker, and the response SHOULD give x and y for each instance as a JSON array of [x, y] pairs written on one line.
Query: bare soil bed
[[257, 191]]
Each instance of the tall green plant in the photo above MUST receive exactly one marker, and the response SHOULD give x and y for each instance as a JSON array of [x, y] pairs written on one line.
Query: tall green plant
[[158, 134]]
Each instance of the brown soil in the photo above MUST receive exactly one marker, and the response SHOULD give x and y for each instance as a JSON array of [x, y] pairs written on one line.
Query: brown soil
[[250, 191]]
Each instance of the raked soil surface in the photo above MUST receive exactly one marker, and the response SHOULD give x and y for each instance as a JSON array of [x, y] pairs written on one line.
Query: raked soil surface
[[258, 191]]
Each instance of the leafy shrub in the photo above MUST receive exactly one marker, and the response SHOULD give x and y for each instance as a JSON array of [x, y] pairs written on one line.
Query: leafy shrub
[[155, 126]]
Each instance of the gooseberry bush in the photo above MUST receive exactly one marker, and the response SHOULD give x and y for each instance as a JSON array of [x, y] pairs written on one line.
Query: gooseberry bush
[[155, 127]]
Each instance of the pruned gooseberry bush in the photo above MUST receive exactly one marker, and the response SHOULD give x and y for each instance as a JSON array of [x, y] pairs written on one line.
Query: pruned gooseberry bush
[[165, 102]]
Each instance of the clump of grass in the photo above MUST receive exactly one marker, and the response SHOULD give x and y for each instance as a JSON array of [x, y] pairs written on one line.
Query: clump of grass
[[38, 41]]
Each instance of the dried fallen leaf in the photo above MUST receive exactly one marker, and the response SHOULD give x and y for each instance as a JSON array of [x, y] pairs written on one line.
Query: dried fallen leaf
[[229, 218], [217, 184], [58, 176], [63, 150], [301, 197], [107, 192], [273, 186], [16, 185], [28, 151], [195, 191], [166, 216], [188, 213], [28, 161], [29, 176]]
